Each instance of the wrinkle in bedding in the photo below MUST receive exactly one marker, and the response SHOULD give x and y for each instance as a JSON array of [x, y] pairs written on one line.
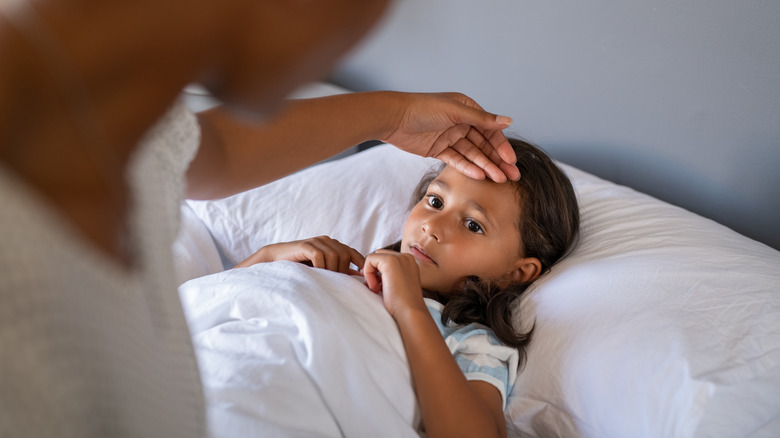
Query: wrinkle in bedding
[[288, 350]]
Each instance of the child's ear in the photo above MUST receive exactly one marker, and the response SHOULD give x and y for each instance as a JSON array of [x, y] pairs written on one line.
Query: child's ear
[[527, 269]]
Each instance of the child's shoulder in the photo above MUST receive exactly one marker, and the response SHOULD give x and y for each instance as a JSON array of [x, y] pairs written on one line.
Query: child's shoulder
[[459, 332], [433, 304]]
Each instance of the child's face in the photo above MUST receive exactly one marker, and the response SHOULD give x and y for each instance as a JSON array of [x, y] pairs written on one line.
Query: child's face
[[463, 227]]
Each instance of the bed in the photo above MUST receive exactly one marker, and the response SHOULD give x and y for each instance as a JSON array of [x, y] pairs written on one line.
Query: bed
[[661, 323]]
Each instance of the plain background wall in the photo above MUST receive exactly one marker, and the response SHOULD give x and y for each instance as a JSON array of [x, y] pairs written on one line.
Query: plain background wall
[[679, 99]]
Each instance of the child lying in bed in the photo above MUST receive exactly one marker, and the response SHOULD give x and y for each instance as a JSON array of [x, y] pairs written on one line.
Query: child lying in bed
[[469, 250]]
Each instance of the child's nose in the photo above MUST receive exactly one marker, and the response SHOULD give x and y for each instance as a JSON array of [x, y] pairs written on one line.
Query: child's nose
[[434, 228]]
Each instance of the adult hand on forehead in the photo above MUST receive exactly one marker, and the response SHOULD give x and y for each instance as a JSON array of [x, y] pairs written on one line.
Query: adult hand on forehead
[[455, 129]]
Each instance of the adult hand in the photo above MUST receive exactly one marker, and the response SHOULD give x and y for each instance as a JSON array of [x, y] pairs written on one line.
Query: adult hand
[[455, 129], [320, 252]]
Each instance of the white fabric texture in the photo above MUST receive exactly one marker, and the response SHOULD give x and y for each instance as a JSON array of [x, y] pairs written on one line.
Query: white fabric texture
[[288, 350], [194, 252], [660, 323], [363, 206], [90, 349]]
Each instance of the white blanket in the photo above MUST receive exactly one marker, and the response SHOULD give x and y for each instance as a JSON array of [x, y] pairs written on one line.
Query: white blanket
[[288, 350]]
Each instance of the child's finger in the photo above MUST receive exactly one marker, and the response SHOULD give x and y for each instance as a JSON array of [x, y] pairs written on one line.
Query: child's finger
[[356, 257], [373, 280], [316, 256], [342, 256]]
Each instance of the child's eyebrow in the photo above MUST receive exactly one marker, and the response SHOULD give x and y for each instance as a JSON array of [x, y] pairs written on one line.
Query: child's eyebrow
[[443, 185], [481, 210]]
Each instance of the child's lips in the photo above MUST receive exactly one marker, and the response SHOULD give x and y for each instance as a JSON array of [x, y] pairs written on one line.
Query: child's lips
[[420, 254]]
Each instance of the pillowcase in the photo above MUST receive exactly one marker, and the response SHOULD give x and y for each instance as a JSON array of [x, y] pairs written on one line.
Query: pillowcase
[[194, 251], [660, 323], [361, 201]]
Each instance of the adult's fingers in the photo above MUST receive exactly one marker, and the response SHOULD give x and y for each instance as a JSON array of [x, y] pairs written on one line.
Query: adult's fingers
[[488, 124], [474, 155], [476, 148], [473, 114], [454, 159]]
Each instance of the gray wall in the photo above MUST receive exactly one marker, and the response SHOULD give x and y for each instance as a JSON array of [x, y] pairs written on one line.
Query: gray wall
[[678, 99]]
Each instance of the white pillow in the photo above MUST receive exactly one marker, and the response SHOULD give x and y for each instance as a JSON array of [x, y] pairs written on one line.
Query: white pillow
[[660, 323], [194, 251], [361, 200]]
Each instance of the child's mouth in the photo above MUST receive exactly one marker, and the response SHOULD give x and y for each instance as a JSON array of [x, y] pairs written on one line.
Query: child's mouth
[[420, 254]]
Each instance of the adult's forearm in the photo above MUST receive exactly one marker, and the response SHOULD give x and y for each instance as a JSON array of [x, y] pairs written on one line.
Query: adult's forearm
[[237, 154]]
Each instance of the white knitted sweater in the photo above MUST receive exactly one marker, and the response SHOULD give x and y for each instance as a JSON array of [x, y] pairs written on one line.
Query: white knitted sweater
[[89, 349]]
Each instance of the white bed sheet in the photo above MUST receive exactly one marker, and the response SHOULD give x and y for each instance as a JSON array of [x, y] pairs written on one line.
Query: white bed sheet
[[288, 350]]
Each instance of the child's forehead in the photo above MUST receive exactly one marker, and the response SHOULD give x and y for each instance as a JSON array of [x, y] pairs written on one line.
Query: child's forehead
[[450, 176], [482, 191]]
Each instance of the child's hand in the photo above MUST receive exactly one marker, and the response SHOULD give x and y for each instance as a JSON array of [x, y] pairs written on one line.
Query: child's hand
[[397, 277], [320, 252]]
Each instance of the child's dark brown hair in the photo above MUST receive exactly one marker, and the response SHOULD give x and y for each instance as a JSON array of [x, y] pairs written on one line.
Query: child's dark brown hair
[[549, 225]]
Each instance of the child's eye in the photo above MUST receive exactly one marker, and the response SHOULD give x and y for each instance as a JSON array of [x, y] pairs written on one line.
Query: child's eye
[[474, 226], [435, 202]]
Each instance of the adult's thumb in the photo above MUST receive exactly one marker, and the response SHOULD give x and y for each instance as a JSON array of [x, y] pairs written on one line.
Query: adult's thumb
[[482, 119]]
